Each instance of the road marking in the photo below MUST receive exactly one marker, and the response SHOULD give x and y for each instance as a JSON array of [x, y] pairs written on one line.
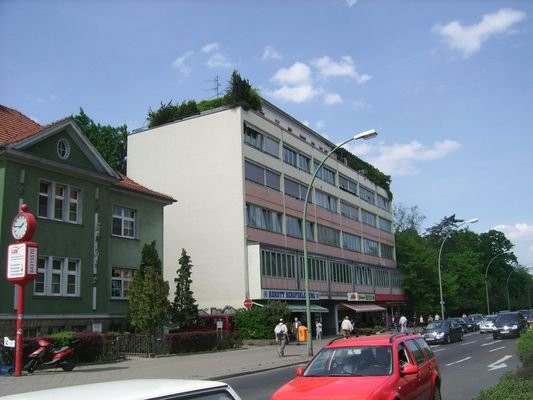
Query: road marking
[[465, 343], [498, 364], [460, 361], [491, 343], [497, 348], [435, 351]]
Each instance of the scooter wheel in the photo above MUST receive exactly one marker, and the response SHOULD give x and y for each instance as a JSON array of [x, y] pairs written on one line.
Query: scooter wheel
[[68, 364], [31, 366]]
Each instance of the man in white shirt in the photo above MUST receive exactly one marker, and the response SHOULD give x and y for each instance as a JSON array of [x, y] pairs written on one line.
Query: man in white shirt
[[280, 332], [346, 327]]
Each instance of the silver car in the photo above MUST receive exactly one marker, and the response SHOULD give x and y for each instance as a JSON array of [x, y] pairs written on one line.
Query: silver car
[[487, 324]]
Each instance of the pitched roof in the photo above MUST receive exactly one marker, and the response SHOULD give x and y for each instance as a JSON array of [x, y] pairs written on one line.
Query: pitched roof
[[15, 126]]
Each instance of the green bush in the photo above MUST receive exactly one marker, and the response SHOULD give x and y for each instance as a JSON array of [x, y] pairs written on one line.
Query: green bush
[[510, 387], [259, 322], [525, 348]]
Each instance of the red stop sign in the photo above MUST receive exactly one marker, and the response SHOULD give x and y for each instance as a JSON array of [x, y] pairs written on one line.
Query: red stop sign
[[248, 303]]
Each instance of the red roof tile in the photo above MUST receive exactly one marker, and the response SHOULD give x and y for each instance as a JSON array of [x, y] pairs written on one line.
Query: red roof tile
[[128, 183], [15, 126]]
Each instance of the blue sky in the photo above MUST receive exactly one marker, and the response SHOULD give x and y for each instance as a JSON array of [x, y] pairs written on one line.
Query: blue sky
[[448, 84]]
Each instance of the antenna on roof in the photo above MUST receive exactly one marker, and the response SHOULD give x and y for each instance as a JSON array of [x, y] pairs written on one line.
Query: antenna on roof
[[216, 87]]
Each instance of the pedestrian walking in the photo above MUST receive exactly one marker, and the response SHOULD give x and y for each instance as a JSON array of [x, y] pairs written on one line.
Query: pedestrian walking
[[430, 319], [281, 332], [318, 326], [437, 317], [296, 329], [346, 327], [403, 324]]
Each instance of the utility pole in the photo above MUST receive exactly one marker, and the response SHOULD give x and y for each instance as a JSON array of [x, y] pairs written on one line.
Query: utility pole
[[216, 86]]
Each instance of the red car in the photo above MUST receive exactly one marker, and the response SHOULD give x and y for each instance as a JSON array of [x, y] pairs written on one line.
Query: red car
[[382, 367]]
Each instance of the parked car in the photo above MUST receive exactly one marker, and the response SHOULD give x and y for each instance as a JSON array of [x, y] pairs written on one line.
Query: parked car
[[487, 324], [508, 325], [461, 321], [528, 315], [444, 331], [136, 389], [368, 367], [477, 320]]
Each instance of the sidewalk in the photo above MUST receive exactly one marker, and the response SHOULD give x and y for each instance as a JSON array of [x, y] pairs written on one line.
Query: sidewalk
[[214, 366]]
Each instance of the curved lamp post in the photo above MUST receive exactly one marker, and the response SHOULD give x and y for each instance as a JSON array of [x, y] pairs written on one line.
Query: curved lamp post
[[486, 277], [364, 135], [508, 297], [470, 221]]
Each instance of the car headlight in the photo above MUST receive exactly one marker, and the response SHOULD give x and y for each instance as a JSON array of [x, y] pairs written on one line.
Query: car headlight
[[439, 334], [515, 327]]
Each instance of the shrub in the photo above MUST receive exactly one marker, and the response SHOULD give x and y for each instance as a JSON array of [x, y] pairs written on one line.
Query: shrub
[[259, 322], [511, 387], [190, 342], [525, 348], [89, 347]]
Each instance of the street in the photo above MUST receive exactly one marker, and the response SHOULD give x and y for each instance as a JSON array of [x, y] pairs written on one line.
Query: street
[[466, 368]]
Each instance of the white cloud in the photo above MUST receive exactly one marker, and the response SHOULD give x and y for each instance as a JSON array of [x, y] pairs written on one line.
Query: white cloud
[[361, 104], [468, 39], [402, 159], [345, 67], [297, 94], [208, 48], [351, 3], [298, 73], [180, 62], [219, 60], [320, 124], [270, 54], [332, 98]]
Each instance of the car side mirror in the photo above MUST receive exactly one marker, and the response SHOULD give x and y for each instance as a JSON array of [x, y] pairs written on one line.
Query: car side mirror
[[299, 371], [409, 369]]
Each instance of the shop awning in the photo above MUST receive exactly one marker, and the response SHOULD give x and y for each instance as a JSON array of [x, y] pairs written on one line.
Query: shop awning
[[315, 308], [363, 307]]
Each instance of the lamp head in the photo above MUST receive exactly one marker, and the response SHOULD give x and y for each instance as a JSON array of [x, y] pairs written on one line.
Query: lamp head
[[472, 221], [372, 133]]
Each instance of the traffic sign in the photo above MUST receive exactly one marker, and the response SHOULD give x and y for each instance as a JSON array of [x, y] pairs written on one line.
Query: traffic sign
[[248, 303]]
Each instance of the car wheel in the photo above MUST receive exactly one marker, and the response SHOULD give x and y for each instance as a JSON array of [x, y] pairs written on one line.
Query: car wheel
[[494, 336], [448, 339], [436, 393], [461, 337]]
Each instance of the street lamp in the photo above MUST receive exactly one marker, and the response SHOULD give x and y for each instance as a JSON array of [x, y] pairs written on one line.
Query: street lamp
[[486, 277], [470, 221], [508, 297], [372, 133]]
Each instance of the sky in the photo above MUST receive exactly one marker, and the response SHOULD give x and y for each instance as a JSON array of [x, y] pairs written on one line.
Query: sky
[[447, 84]]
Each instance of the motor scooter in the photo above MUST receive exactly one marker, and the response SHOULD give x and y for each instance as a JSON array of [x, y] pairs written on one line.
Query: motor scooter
[[48, 357]]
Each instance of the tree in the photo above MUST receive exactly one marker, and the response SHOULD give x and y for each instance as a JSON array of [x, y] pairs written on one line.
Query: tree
[[259, 322], [184, 308], [148, 294], [111, 142], [407, 218], [171, 112], [240, 92]]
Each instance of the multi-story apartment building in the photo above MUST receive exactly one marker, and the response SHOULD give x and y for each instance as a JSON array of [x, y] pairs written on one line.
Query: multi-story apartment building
[[92, 223], [241, 177]]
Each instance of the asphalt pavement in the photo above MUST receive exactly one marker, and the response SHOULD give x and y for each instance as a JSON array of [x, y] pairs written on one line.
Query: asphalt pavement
[[212, 366]]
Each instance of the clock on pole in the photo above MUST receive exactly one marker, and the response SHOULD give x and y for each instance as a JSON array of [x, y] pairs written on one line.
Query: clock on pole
[[23, 225]]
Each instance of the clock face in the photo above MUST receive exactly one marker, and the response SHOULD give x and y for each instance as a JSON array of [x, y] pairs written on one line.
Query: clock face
[[19, 227]]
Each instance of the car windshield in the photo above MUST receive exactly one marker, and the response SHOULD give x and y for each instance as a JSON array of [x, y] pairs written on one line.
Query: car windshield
[[437, 325], [351, 361], [489, 318], [506, 319]]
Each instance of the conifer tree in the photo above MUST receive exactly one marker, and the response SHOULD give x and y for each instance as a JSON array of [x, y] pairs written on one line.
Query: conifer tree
[[148, 294], [184, 307]]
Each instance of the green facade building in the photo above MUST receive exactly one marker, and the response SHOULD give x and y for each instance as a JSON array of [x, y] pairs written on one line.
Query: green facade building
[[92, 223]]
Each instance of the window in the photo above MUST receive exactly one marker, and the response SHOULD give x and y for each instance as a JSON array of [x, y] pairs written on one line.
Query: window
[[371, 247], [363, 275], [349, 211], [63, 149], [382, 278], [304, 163], [262, 218], [368, 218], [385, 225], [326, 201], [328, 236], [396, 280], [59, 202], [387, 251], [367, 195], [290, 156], [296, 189], [416, 351], [121, 279], [124, 221], [317, 269], [383, 203], [341, 272], [351, 242], [261, 175], [325, 173], [347, 185], [294, 228], [57, 276], [261, 142], [277, 264]]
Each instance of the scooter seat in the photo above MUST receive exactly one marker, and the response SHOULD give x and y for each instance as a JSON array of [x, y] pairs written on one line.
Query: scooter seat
[[55, 351]]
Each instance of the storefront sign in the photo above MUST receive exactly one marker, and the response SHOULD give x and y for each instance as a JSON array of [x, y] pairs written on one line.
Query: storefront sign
[[288, 295], [355, 296]]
